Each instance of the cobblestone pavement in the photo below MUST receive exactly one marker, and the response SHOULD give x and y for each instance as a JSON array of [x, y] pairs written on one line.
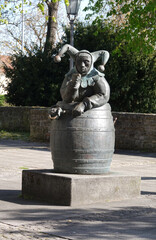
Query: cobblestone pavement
[[133, 219], [12, 232]]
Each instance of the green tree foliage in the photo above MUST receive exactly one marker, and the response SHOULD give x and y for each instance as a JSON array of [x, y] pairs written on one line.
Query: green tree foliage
[[35, 79], [132, 80], [135, 19], [131, 75]]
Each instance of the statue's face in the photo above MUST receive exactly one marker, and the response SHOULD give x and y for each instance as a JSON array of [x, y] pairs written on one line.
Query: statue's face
[[83, 63]]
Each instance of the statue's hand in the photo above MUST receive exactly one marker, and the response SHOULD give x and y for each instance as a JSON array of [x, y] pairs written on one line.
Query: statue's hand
[[55, 112], [76, 79], [79, 109]]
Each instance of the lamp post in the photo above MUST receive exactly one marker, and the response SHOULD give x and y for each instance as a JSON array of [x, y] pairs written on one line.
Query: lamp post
[[72, 11], [22, 26]]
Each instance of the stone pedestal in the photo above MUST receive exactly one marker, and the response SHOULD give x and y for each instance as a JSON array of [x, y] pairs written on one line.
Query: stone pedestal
[[74, 190]]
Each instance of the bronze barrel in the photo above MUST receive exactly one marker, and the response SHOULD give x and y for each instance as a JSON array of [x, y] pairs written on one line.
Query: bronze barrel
[[85, 144]]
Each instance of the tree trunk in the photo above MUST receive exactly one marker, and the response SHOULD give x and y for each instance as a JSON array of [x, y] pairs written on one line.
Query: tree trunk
[[51, 25]]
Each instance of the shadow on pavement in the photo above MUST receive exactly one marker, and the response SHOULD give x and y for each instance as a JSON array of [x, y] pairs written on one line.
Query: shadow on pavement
[[147, 193], [15, 196], [8, 143], [148, 178], [136, 153], [121, 223]]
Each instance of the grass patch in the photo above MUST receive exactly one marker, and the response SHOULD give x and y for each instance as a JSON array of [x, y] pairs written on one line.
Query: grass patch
[[3, 101], [24, 136], [24, 168]]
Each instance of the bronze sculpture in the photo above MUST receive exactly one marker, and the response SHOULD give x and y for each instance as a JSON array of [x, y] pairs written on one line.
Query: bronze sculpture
[[82, 139], [84, 87]]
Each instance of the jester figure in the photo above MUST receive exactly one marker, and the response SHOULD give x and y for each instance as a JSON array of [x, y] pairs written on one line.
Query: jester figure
[[84, 87]]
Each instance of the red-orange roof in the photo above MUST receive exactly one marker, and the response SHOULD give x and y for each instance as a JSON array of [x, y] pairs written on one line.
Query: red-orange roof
[[4, 60]]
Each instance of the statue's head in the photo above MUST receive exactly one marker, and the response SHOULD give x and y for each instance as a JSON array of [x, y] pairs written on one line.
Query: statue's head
[[83, 62], [83, 59]]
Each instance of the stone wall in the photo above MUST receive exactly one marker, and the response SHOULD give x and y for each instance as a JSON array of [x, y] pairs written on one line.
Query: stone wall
[[134, 131], [39, 124], [15, 118]]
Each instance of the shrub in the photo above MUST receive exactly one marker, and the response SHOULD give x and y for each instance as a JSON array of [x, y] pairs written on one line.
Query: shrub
[[35, 79], [2, 100]]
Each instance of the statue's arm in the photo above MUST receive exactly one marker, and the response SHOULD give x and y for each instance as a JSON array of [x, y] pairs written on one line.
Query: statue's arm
[[101, 96], [70, 88]]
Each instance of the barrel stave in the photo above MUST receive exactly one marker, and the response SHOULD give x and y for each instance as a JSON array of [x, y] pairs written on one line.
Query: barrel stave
[[83, 145]]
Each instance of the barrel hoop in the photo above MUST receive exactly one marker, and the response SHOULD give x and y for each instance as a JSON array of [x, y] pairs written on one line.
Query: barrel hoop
[[70, 129], [95, 117], [90, 161], [88, 117], [85, 151], [90, 168]]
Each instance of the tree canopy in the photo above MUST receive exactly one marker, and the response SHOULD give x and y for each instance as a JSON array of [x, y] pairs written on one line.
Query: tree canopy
[[131, 75], [134, 19]]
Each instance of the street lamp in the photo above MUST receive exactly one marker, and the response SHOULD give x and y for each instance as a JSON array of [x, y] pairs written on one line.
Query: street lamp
[[72, 11], [22, 26]]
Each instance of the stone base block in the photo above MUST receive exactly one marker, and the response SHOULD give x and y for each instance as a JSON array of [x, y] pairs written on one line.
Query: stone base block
[[74, 190]]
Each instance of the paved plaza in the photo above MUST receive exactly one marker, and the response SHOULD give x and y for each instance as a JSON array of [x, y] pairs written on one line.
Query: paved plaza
[[22, 219]]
